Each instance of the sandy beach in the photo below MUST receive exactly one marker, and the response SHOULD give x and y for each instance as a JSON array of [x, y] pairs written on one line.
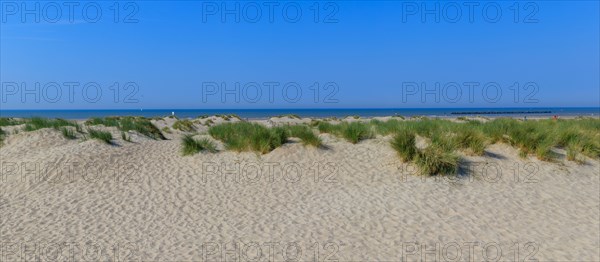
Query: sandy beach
[[79, 200]]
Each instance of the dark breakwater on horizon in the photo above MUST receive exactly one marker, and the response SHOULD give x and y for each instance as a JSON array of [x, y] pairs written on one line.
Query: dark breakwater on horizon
[[320, 113]]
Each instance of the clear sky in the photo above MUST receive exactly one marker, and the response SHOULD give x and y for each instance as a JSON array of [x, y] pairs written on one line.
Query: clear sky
[[368, 54]]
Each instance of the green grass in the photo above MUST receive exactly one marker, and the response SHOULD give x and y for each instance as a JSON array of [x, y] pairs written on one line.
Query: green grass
[[535, 137], [404, 144], [580, 137], [292, 116], [104, 136], [386, 127], [306, 135], [184, 125], [2, 134], [138, 124], [106, 121], [191, 146], [245, 136], [67, 133], [326, 127], [574, 155], [228, 117], [36, 123], [434, 160], [471, 139], [167, 130], [7, 121], [353, 132]]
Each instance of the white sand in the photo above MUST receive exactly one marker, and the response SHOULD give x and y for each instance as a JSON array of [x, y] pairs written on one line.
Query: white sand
[[371, 208]]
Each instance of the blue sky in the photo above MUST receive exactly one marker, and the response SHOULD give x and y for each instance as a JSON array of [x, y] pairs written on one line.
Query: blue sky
[[364, 54]]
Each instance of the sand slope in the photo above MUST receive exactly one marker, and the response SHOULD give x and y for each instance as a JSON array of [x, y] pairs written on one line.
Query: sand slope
[[363, 206]]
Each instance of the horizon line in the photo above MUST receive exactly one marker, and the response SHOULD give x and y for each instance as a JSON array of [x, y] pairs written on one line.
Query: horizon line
[[341, 108]]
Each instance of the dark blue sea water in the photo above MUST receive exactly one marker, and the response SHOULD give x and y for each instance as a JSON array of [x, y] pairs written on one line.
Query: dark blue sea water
[[265, 113]]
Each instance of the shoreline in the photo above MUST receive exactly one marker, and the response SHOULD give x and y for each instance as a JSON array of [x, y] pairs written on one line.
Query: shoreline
[[264, 114], [456, 116]]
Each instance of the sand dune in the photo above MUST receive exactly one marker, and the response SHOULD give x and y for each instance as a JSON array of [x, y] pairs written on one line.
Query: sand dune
[[347, 202]]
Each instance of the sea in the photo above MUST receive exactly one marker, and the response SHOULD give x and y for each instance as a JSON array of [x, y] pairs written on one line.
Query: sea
[[320, 113]]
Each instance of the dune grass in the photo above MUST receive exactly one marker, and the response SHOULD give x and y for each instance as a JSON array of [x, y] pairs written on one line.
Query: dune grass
[[104, 136], [2, 134], [306, 135], [353, 132], [435, 160], [229, 117], [580, 137], [209, 122], [386, 127], [245, 136], [36, 123], [535, 137], [470, 139], [292, 116], [539, 137], [404, 144], [184, 125], [438, 158], [191, 146], [9, 121], [138, 124], [325, 127], [67, 133], [574, 155]]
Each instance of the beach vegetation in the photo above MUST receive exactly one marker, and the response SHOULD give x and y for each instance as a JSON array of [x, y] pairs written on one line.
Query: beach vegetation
[[104, 136], [67, 133], [191, 146], [36, 123], [404, 144], [471, 139], [9, 121], [245, 136], [2, 135], [139, 124], [386, 127], [435, 160], [184, 125], [574, 155], [228, 117], [306, 135], [292, 116], [353, 132]]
